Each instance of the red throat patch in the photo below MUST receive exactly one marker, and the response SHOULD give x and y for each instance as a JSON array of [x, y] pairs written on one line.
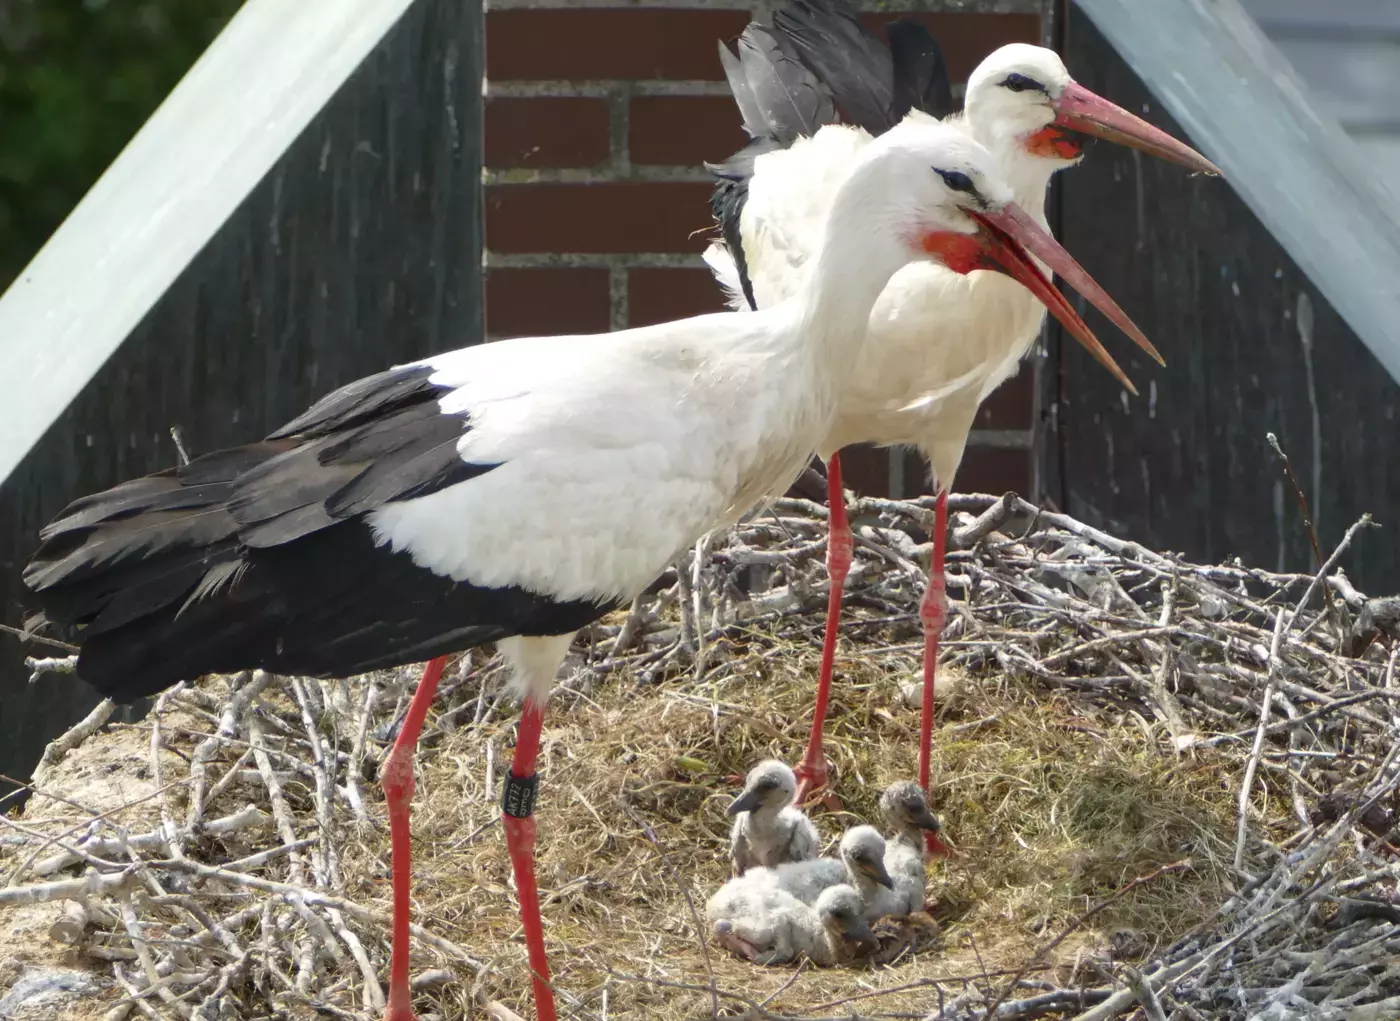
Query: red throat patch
[[962, 253], [1054, 143]]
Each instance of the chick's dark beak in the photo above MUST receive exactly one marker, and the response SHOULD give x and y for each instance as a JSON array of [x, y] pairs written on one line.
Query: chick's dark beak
[[745, 802]]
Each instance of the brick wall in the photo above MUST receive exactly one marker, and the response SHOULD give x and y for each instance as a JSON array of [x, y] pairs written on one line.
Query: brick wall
[[598, 118]]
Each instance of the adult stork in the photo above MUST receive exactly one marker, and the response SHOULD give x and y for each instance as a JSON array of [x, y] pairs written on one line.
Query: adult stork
[[939, 343], [509, 492]]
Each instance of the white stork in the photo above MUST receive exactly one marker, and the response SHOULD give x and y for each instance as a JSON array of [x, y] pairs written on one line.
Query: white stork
[[510, 492], [939, 343]]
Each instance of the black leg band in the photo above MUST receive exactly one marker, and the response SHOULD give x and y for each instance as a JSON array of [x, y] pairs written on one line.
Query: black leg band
[[518, 799]]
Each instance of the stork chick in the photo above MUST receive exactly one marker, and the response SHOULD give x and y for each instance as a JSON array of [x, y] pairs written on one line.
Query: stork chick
[[861, 866], [767, 829], [907, 819], [768, 925]]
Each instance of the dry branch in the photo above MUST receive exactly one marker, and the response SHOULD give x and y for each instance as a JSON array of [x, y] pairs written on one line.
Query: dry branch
[[241, 890]]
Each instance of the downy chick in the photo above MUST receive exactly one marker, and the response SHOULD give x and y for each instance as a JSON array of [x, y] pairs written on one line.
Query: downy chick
[[861, 866], [907, 817], [766, 925], [767, 830]]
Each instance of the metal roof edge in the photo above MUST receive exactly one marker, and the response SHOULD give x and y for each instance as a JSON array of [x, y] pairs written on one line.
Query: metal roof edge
[[232, 116], [1245, 107]]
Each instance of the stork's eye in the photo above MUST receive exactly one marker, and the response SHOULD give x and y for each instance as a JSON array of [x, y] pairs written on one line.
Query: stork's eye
[[1021, 83], [957, 180]]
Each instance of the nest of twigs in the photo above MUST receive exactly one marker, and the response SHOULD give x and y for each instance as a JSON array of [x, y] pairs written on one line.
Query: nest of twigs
[[1172, 789]]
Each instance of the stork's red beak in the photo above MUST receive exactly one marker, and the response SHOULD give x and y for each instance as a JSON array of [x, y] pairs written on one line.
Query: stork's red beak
[[1003, 243], [1014, 221], [1082, 110]]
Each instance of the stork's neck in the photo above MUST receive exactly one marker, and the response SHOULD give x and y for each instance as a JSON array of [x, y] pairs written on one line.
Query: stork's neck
[[1027, 175], [852, 267]]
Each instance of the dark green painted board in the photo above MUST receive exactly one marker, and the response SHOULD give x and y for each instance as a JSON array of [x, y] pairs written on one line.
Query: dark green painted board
[[360, 249], [1190, 468]]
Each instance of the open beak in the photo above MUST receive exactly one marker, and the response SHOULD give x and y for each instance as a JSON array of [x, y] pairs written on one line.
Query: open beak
[[745, 802], [1002, 243], [1017, 224], [1081, 110]]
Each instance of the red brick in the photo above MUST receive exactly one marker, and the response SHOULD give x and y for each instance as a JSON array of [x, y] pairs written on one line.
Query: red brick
[[965, 36], [563, 131], [608, 43], [658, 295], [683, 130], [1011, 405], [627, 216], [546, 301]]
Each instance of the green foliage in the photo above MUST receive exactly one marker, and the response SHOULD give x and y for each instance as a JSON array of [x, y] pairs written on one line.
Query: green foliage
[[77, 80]]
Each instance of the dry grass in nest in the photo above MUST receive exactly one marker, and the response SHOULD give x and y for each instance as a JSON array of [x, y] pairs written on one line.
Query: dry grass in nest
[[1101, 709], [1054, 804]]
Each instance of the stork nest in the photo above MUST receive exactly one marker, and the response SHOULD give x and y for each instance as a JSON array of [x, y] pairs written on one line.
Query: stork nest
[[1172, 790]]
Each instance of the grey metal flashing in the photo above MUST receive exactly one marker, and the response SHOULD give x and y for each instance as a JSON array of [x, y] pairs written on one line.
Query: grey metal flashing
[[201, 153], [1245, 107]]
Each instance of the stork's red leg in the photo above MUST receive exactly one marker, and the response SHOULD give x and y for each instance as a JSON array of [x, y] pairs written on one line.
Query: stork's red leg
[[811, 771], [517, 808], [397, 780], [933, 611]]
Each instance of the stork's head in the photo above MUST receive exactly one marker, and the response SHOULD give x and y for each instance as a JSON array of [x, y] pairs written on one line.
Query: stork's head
[[935, 188], [863, 851], [906, 810], [770, 785], [1022, 98], [842, 912], [903, 805]]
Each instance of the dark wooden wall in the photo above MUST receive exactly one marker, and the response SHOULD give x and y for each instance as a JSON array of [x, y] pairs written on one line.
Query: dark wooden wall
[[1251, 347], [360, 249]]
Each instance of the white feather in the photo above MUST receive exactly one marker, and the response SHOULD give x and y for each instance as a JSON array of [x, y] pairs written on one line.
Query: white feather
[[938, 343], [617, 452]]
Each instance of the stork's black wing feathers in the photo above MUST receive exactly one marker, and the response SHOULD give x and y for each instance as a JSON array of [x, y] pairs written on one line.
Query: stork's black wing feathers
[[920, 72], [260, 555], [727, 203], [791, 101], [790, 80], [848, 58], [365, 400], [749, 111], [780, 100]]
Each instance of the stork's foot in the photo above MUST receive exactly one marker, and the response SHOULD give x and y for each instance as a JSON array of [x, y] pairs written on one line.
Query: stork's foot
[[397, 1013], [738, 946], [812, 787]]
